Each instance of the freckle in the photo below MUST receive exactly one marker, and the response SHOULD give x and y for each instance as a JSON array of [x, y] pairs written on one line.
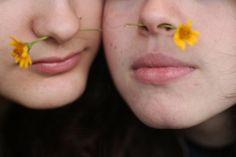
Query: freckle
[[196, 84]]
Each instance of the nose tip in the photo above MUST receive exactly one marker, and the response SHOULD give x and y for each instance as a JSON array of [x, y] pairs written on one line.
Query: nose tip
[[158, 18], [59, 23], [62, 29]]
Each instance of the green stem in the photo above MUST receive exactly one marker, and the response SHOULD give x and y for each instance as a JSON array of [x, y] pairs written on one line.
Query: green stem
[[135, 24], [166, 26], [36, 41]]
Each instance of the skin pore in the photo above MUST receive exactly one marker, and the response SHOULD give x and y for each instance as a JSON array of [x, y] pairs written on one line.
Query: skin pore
[[61, 63], [140, 59]]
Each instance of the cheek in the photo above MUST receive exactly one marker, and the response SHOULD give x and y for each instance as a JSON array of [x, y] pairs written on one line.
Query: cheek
[[115, 59], [90, 18], [112, 23], [118, 14], [111, 37], [110, 50]]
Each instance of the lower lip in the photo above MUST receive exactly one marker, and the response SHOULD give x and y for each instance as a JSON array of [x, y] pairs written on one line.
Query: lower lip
[[53, 68], [161, 75]]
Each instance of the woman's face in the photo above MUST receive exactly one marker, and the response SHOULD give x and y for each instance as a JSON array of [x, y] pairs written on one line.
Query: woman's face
[[61, 63], [165, 86]]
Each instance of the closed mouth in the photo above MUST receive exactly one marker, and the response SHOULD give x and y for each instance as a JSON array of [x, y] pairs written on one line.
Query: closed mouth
[[159, 69], [56, 65]]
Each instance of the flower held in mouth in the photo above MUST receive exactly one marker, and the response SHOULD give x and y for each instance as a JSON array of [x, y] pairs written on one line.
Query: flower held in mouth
[[21, 51]]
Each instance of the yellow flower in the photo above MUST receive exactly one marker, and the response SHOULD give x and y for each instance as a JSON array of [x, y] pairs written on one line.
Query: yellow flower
[[185, 34], [21, 53]]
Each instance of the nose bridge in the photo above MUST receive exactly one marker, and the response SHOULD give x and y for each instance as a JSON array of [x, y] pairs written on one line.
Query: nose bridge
[[58, 20], [156, 12]]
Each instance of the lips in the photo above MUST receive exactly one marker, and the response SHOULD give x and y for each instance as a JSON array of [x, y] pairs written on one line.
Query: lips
[[56, 65], [159, 69]]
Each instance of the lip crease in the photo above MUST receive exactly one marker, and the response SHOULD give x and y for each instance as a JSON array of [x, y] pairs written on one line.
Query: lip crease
[[159, 69], [56, 65]]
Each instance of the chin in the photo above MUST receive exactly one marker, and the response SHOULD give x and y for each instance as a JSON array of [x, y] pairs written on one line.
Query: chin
[[170, 122], [54, 98], [48, 102], [166, 117]]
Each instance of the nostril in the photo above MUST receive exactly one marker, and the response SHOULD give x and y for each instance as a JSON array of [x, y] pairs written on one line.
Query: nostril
[[167, 29], [166, 26], [52, 41], [145, 28]]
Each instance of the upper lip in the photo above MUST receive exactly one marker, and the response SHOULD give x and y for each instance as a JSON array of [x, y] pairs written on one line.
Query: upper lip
[[55, 59], [158, 60]]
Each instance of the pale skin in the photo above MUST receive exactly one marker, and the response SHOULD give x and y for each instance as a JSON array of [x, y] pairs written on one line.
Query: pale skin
[[196, 101], [49, 84]]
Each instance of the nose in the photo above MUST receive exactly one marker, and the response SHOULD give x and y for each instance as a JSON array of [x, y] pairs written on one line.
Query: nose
[[58, 20], [159, 17]]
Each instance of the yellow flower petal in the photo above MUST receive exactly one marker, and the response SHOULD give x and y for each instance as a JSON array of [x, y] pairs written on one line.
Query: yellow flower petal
[[21, 50], [179, 42], [185, 34], [20, 53], [193, 38]]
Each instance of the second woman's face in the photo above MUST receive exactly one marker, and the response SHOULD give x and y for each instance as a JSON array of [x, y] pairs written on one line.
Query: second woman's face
[[165, 86], [61, 63]]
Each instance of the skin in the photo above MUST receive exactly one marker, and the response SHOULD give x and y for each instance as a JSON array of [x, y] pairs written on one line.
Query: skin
[[198, 99], [62, 21]]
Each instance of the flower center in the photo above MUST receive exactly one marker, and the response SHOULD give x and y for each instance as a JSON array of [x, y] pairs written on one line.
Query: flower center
[[185, 33]]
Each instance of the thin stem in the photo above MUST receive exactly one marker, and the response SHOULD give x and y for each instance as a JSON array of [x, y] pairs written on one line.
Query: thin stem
[[38, 40], [135, 24], [166, 26], [30, 44]]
